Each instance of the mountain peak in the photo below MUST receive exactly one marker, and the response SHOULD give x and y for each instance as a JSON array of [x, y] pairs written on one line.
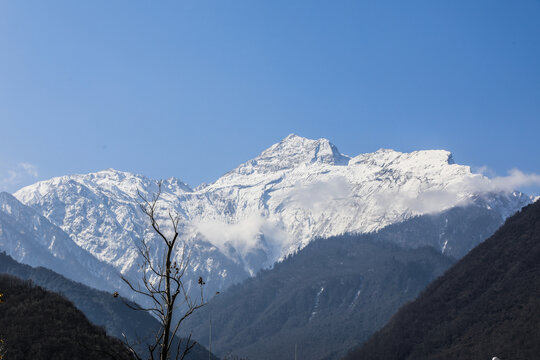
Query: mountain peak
[[292, 136], [295, 140], [110, 173], [295, 151]]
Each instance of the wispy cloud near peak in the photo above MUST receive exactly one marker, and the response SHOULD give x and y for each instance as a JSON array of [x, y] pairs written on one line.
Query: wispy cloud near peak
[[22, 174], [515, 180]]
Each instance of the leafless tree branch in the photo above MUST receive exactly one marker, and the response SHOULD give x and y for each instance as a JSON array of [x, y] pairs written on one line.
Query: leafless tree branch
[[165, 287]]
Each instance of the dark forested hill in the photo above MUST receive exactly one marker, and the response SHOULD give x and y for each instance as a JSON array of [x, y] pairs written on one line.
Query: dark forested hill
[[98, 306], [331, 295], [487, 305], [41, 325]]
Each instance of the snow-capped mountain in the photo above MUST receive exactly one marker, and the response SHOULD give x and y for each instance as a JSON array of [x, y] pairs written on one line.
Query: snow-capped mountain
[[266, 208]]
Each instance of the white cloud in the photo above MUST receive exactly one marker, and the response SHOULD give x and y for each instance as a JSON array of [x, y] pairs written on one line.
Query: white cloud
[[484, 170], [457, 194], [30, 169], [513, 181], [244, 236], [23, 173]]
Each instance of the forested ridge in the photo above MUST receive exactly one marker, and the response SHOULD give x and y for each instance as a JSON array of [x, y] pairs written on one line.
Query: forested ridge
[[41, 325], [486, 305], [100, 307]]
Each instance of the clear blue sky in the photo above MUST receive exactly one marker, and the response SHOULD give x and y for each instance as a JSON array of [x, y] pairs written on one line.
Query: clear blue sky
[[193, 88]]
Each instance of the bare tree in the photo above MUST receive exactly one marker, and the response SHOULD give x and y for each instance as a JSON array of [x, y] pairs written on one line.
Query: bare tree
[[164, 286]]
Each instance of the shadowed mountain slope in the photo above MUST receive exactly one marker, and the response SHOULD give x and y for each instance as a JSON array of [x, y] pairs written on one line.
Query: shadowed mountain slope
[[331, 295], [487, 305]]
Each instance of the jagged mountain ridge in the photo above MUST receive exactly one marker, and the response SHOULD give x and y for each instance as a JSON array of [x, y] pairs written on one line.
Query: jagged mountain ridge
[[266, 208]]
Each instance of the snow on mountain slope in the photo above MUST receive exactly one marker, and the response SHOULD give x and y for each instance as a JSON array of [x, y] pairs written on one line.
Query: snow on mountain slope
[[101, 213], [266, 208], [31, 239]]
